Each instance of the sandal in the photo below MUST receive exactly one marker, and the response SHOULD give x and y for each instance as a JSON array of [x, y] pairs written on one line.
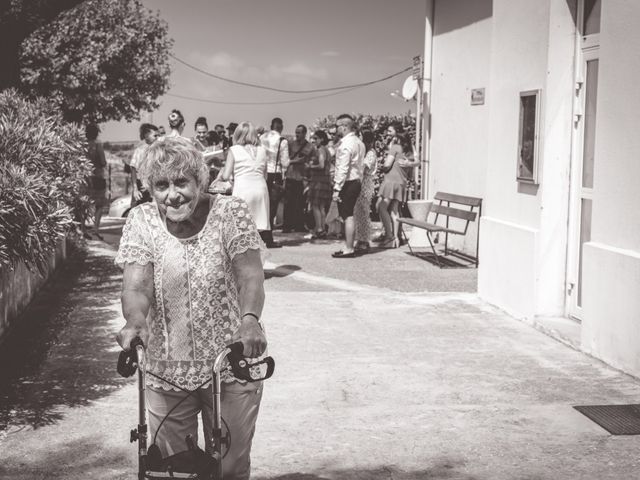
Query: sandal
[[341, 254]]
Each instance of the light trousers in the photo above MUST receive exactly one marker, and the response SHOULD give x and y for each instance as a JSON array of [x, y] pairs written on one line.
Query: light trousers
[[239, 406]]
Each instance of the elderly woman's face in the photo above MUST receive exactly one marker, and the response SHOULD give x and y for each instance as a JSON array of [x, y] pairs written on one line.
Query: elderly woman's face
[[177, 198]]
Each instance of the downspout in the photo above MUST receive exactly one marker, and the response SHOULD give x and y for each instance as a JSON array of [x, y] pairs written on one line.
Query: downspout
[[425, 91]]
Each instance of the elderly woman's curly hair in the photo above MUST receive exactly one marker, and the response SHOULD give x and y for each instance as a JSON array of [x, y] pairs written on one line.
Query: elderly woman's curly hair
[[171, 158]]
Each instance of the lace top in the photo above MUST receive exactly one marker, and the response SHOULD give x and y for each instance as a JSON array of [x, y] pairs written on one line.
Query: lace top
[[195, 309]]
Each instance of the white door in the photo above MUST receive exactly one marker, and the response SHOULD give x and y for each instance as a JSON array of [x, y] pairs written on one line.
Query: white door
[[584, 152]]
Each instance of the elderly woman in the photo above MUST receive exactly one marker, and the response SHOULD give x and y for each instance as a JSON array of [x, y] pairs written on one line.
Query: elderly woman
[[193, 283]]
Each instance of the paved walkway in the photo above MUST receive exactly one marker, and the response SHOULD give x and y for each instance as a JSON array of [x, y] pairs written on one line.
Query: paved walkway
[[380, 375]]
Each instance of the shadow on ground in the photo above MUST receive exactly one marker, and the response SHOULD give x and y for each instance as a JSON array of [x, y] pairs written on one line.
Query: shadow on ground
[[61, 350], [445, 262], [442, 469], [72, 459], [292, 241], [281, 271], [81, 458]]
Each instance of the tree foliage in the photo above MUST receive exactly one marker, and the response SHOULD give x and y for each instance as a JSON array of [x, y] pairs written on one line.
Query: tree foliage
[[18, 19], [102, 60], [43, 166]]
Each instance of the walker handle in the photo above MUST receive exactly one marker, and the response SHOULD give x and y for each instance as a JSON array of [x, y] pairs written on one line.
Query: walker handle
[[127, 360], [242, 369]]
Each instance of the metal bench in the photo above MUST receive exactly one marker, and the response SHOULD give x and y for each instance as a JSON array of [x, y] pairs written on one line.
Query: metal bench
[[443, 209]]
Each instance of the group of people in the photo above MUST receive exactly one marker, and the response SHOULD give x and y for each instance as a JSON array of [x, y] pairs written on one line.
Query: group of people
[[192, 260], [329, 175]]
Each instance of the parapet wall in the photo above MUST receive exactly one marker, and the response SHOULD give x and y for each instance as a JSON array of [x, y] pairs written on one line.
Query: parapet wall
[[19, 286]]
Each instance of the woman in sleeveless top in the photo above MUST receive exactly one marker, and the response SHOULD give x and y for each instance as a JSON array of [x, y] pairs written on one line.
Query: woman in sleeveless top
[[320, 188], [392, 191], [247, 165]]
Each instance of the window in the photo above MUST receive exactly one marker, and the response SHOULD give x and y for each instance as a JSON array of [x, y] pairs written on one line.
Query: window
[[528, 137], [591, 17]]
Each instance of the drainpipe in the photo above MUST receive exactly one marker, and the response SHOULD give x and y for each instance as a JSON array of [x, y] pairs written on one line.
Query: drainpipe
[[425, 101]]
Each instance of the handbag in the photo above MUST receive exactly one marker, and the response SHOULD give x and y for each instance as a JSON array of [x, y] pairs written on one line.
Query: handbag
[[277, 183]]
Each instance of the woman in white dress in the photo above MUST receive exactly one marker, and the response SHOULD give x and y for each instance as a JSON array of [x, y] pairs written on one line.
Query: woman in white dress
[[247, 164]]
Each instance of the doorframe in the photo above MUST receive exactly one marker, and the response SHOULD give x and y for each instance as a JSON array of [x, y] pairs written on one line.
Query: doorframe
[[587, 49]]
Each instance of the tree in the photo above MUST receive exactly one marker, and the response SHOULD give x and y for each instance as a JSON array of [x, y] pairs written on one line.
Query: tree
[[18, 19], [102, 60]]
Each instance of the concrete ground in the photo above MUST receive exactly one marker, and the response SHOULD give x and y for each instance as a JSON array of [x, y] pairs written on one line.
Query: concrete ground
[[386, 368]]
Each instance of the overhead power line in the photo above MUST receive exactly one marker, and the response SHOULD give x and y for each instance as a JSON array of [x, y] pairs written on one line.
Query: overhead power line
[[282, 90], [222, 102]]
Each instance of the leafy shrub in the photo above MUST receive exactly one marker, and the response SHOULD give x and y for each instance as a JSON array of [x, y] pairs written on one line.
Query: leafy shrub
[[42, 172]]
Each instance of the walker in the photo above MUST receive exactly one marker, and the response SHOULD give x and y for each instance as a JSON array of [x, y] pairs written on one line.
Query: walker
[[196, 463]]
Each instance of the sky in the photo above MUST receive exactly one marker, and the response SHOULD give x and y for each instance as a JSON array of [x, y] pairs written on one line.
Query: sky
[[289, 44]]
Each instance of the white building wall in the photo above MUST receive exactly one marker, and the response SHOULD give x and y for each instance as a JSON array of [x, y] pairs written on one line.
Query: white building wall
[[523, 238], [510, 225], [461, 54], [611, 280], [524, 228]]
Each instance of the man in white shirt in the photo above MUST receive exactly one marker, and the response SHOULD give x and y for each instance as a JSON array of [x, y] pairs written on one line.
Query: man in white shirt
[[350, 152], [277, 162]]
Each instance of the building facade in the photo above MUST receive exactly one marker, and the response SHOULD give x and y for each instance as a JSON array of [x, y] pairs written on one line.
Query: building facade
[[532, 108]]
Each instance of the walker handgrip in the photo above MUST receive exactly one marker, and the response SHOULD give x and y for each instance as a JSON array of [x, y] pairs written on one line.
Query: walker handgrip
[[135, 342], [242, 369], [127, 360], [237, 349]]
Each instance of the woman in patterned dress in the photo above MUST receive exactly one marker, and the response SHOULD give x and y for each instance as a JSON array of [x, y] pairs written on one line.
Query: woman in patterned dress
[[192, 284], [362, 212], [320, 187]]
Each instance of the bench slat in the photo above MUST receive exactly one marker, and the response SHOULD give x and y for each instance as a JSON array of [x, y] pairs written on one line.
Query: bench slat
[[460, 199], [432, 227], [453, 212]]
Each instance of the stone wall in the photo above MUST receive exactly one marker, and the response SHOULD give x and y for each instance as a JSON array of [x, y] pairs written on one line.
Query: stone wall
[[19, 286]]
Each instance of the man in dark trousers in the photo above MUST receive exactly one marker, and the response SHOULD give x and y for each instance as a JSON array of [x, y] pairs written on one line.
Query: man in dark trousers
[[301, 154], [277, 161]]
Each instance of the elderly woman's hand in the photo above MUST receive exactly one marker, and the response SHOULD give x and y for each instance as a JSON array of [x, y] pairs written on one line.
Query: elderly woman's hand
[[252, 337], [129, 332]]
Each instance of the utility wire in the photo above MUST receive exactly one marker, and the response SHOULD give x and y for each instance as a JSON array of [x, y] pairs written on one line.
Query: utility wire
[[220, 102], [281, 90]]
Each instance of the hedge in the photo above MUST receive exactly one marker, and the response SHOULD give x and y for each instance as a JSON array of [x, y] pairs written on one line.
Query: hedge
[[43, 167]]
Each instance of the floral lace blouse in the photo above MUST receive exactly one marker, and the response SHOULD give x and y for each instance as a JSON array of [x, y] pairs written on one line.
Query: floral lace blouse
[[195, 309]]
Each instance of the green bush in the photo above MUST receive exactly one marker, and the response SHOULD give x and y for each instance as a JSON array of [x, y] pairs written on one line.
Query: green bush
[[43, 167]]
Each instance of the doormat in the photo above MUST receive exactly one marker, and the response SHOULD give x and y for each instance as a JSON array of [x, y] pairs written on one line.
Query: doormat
[[615, 419]]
